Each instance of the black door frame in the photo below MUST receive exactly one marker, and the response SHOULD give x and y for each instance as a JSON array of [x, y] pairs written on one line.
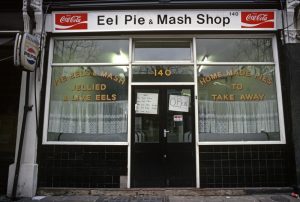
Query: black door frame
[[161, 147]]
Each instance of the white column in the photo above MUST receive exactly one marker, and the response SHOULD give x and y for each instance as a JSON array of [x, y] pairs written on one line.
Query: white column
[[27, 182]]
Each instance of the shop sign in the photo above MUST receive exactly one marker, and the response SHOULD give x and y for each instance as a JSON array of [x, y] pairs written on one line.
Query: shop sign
[[257, 19], [71, 21], [163, 20], [29, 51]]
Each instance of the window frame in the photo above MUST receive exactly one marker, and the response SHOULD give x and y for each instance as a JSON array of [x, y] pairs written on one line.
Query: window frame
[[193, 38], [157, 39], [275, 63], [51, 64]]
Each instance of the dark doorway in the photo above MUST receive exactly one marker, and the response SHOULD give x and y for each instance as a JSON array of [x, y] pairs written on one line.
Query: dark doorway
[[163, 143], [10, 83]]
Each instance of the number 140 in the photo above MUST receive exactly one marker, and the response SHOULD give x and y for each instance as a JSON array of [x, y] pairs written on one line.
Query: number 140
[[162, 72]]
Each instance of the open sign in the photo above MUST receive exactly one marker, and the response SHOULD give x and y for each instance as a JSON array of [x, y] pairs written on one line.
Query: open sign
[[179, 103]]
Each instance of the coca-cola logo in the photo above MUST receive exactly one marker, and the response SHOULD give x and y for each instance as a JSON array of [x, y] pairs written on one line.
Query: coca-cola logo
[[71, 21], [257, 19]]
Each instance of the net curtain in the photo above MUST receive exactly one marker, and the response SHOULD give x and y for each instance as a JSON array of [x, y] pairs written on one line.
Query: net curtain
[[238, 116], [88, 117]]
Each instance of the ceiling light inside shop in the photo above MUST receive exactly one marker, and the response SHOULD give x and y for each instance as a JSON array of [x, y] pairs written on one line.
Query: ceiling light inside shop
[[119, 58], [204, 59]]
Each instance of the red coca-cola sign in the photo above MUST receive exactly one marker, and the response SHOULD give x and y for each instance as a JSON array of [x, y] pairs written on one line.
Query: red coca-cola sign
[[71, 21], [257, 19]]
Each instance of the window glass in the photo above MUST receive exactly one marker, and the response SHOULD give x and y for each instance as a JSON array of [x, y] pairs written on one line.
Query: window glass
[[91, 51], [162, 73], [88, 104], [237, 103], [147, 122], [162, 50], [179, 116], [234, 50]]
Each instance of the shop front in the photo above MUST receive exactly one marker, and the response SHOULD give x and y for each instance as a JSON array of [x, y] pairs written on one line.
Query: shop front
[[163, 98]]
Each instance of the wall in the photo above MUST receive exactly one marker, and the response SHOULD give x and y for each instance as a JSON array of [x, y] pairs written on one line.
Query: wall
[[10, 81], [244, 166], [292, 59], [81, 166]]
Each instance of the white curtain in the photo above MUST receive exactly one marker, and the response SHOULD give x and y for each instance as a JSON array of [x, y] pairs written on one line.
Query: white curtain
[[88, 117], [238, 116]]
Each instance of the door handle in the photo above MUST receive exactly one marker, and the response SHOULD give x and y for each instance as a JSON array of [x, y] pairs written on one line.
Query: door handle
[[165, 132]]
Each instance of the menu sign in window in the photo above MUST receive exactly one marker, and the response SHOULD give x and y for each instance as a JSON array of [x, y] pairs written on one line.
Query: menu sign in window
[[146, 103]]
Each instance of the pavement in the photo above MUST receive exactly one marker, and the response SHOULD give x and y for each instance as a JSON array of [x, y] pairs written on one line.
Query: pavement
[[157, 196], [247, 198]]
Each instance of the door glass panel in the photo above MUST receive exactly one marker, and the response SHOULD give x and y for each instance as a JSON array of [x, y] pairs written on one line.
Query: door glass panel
[[146, 127], [179, 118]]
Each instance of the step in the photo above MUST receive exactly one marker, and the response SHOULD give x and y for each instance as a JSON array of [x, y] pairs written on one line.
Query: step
[[49, 191]]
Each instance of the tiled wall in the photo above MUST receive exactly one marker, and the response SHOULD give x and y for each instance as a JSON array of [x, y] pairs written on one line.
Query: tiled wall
[[220, 166], [244, 166], [81, 166]]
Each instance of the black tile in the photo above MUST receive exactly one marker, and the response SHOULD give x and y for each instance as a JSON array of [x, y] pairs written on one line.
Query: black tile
[[233, 163], [247, 155], [225, 163], [218, 163], [232, 155], [225, 171]]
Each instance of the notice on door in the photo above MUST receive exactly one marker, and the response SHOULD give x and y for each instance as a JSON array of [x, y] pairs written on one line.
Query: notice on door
[[179, 103], [178, 118], [147, 103]]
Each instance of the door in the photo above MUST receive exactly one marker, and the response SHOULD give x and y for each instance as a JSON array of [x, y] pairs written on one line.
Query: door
[[163, 143]]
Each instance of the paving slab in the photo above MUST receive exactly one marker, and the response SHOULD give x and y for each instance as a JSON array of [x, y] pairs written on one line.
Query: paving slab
[[247, 198], [61, 198], [160, 198]]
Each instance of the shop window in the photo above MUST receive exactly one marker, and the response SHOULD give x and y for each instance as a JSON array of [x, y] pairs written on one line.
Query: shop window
[[88, 103], [162, 50], [237, 102]]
